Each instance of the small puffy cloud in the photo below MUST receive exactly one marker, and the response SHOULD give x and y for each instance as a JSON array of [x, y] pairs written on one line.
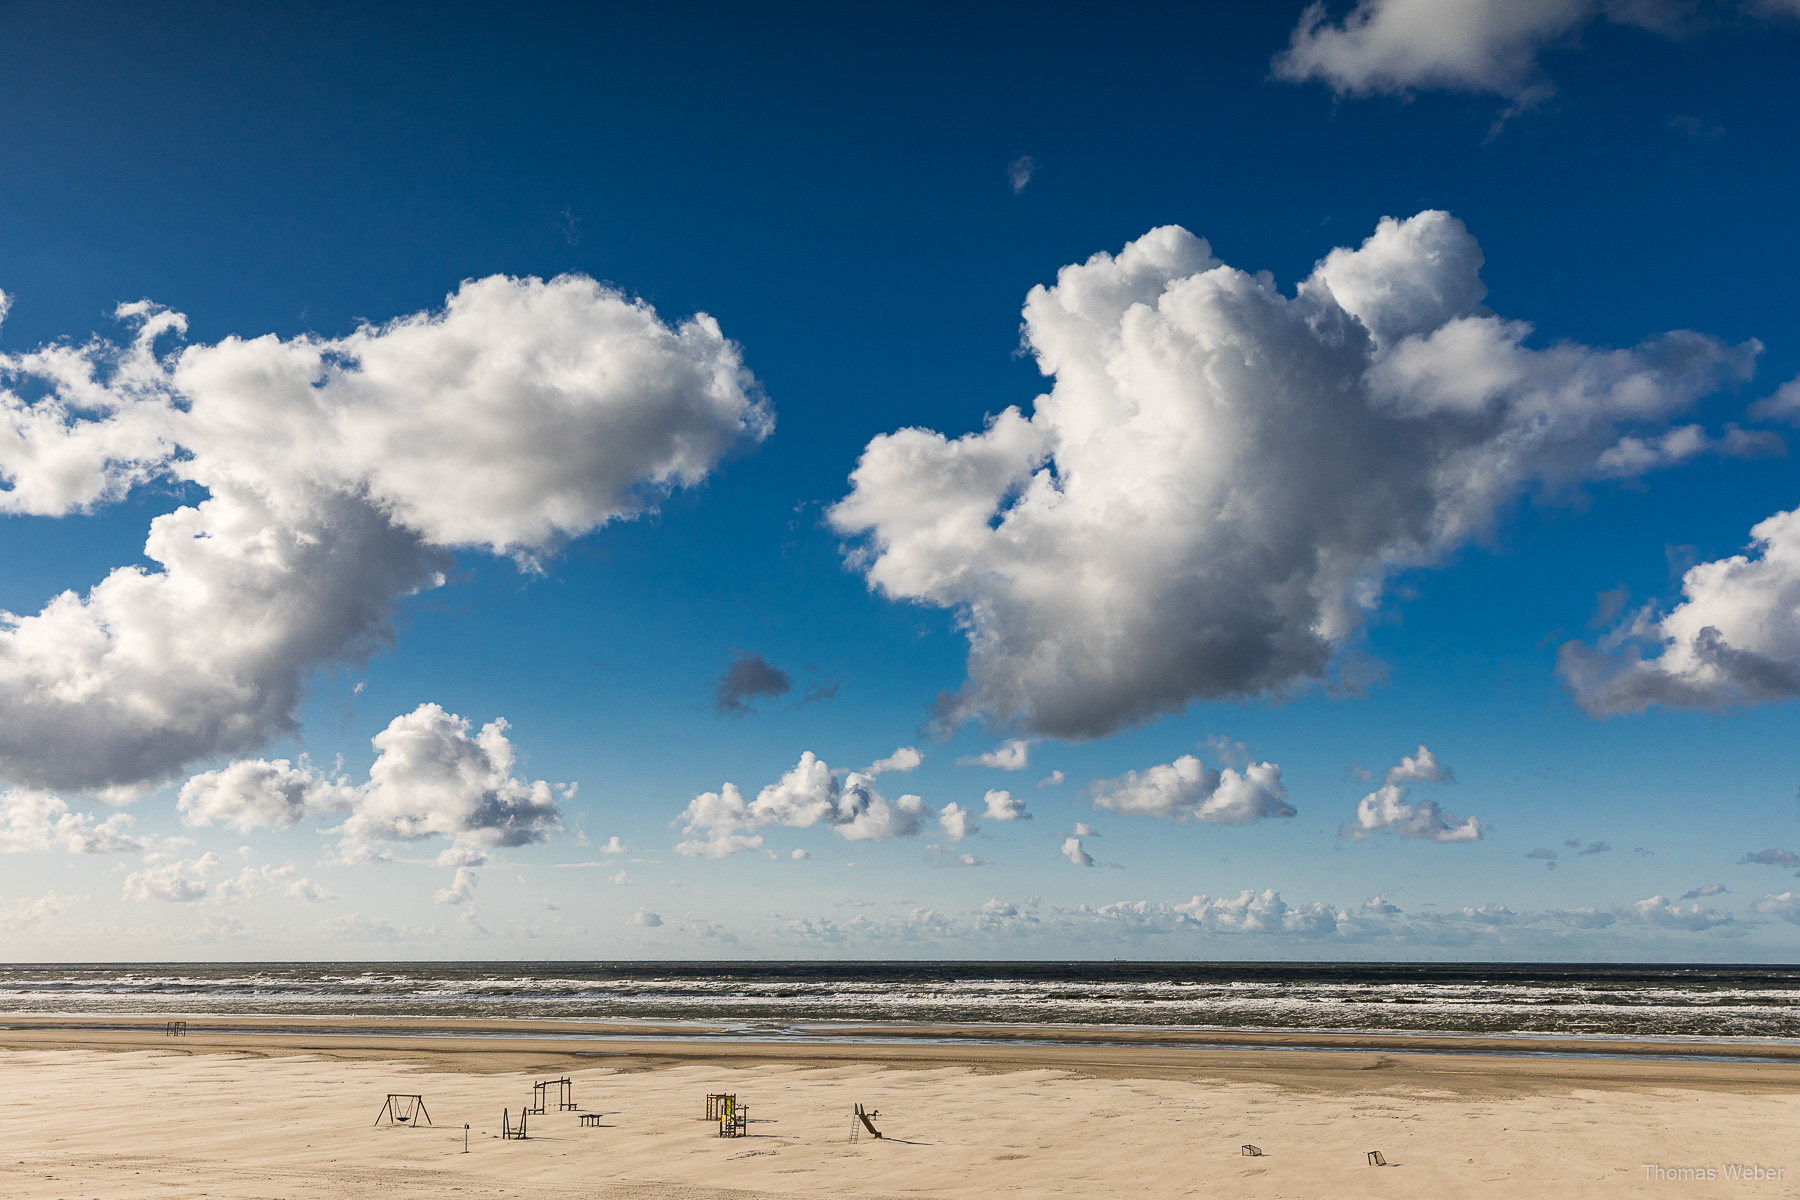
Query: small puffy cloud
[[1660, 912], [621, 879], [173, 881], [717, 824], [646, 918], [1701, 893], [1386, 810], [1378, 906], [431, 777], [1019, 172], [797, 855], [308, 892], [749, 677], [1185, 790], [1785, 905], [614, 846], [1221, 478], [1071, 850], [1422, 767], [1083, 829], [956, 821], [1543, 852], [556, 407], [462, 887], [1011, 755], [1772, 858], [1400, 46], [1732, 639], [36, 821], [906, 758], [1002, 805], [261, 794], [1596, 848], [1053, 779]]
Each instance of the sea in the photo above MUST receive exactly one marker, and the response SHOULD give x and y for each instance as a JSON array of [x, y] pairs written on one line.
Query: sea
[[806, 999]]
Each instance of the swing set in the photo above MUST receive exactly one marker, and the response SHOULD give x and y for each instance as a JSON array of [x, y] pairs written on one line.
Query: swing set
[[508, 1130], [565, 1096], [403, 1109]]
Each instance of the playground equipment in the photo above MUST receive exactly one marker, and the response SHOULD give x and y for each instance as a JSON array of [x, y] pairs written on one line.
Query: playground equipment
[[864, 1120], [589, 1119], [734, 1118], [1375, 1159], [175, 1029], [404, 1109], [715, 1104], [1249, 1151], [508, 1130], [540, 1096]]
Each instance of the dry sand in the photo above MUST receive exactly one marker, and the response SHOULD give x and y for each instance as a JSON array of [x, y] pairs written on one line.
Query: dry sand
[[113, 1108]]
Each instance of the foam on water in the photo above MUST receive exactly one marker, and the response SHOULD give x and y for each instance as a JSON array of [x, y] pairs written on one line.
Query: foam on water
[[1638, 1001]]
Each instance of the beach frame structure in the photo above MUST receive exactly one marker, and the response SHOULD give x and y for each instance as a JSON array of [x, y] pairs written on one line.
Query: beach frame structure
[[734, 1118], [509, 1131], [1376, 1159], [715, 1104], [175, 1029], [1249, 1151], [540, 1096], [404, 1108], [589, 1119]]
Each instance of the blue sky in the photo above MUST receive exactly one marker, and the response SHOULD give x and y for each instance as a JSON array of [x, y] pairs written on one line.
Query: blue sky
[[863, 205]]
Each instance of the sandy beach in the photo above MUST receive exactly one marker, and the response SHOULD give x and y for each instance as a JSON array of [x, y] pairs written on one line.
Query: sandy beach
[[112, 1107]]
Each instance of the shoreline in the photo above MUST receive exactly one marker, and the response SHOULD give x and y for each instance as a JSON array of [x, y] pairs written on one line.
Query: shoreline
[[1310, 1062], [79, 1026]]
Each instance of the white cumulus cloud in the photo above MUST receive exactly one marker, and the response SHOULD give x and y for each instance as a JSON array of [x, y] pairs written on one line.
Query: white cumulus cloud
[[957, 822], [904, 759], [1222, 477], [1386, 810], [431, 778], [1186, 790], [338, 475], [717, 824], [1071, 850], [172, 881], [1422, 767], [35, 821], [1014, 754], [1733, 639], [1002, 805]]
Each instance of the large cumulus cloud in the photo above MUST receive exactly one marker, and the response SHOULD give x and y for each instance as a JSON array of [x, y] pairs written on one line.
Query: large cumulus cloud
[[1222, 477], [337, 474]]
